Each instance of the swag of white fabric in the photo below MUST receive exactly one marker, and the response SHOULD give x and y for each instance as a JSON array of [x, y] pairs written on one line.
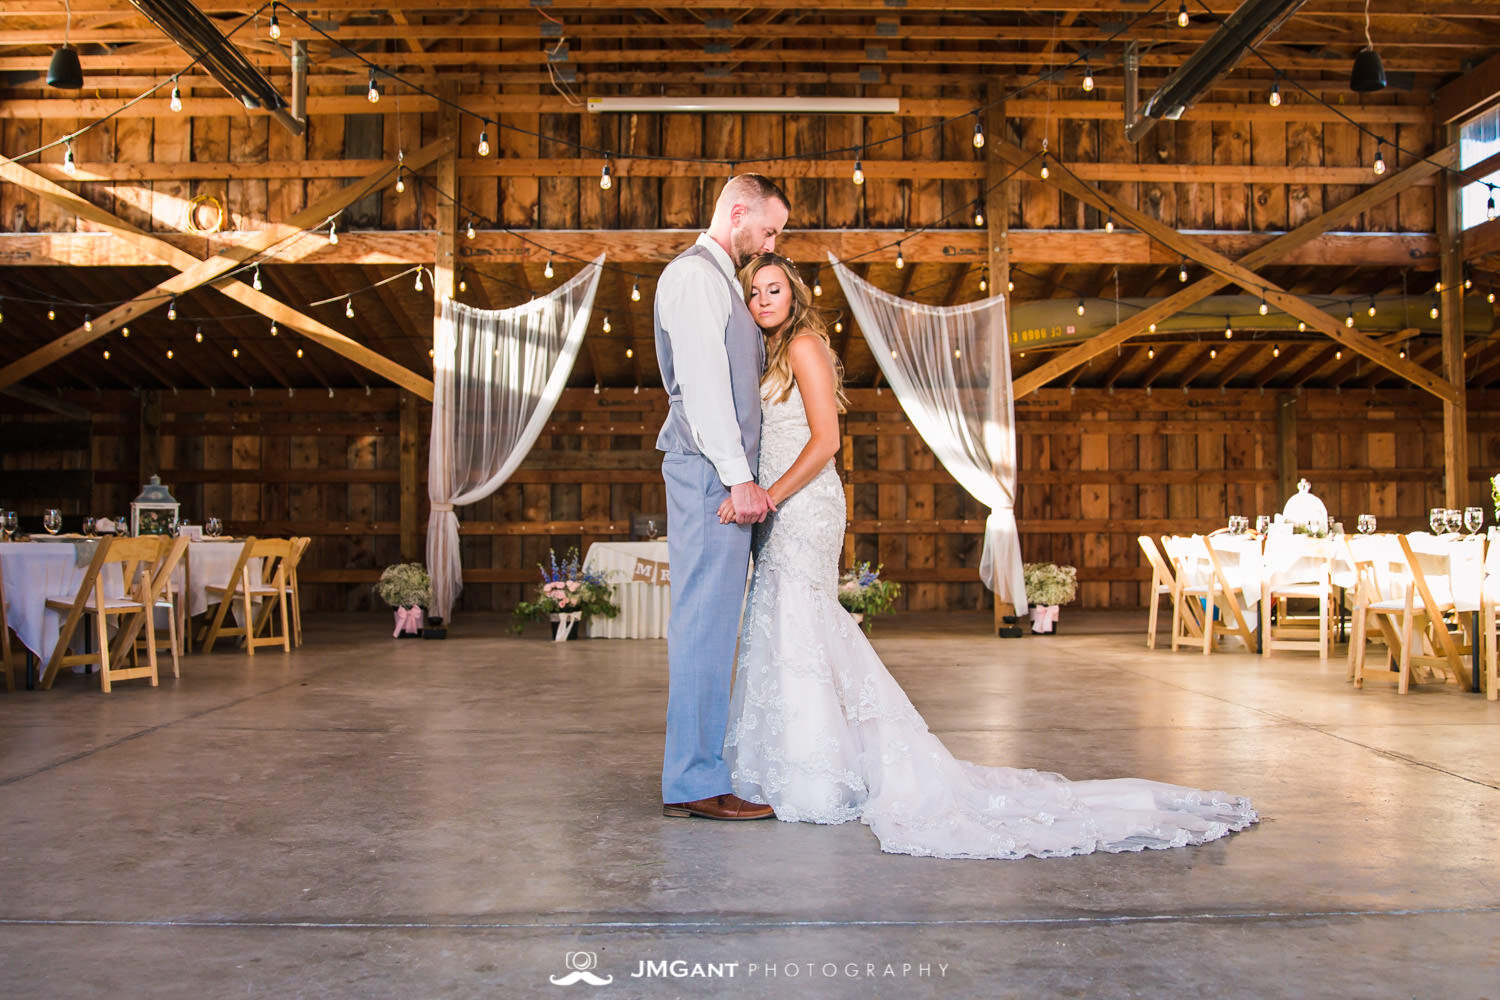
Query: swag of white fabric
[[497, 376], [950, 369]]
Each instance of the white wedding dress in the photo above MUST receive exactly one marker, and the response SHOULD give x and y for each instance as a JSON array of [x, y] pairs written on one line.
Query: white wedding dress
[[820, 730]]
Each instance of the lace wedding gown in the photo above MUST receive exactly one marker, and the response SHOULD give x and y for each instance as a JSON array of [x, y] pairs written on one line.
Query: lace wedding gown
[[822, 732]]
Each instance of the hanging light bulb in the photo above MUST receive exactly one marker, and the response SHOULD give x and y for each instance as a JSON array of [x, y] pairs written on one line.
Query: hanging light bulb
[[125, 332], [1489, 207], [978, 133], [1275, 99], [469, 229], [1379, 165], [1182, 274], [1263, 307], [630, 352], [605, 181], [984, 280], [1228, 329], [1372, 306], [106, 354], [1401, 354], [607, 327], [1088, 78], [838, 326], [858, 176], [1182, 14], [635, 291], [400, 183], [374, 92], [274, 330], [172, 308], [88, 322], [52, 314], [1150, 353], [1301, 327], [1044, 172], [1151, 328], [274, 30], [978, 215], [1109, 222], [1349, 319], [483, 149], [234, 352], [333, 232], [547, 271], [254, 281], [1434, 312], [349, 306], [198, 335], [900, 260], [1213, 352], [1338, 355], [70, 167], [169, 354], [1010, 286], [176, 102], [1438, 288], [299, 352], [1275, 351], [1490, 298], [1468, 281], [1081, 308], [419, 279]]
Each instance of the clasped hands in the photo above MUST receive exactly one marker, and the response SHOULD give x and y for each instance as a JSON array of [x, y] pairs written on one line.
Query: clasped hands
[[748, 503]]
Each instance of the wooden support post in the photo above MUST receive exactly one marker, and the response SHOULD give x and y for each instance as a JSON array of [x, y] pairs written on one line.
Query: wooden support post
[[150, 445], [997, 198], [411, 532], [1455, 410], [445, 252], [1286, 446]]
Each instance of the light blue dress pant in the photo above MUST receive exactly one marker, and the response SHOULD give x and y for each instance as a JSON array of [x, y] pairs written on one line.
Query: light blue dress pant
[[709, 562]]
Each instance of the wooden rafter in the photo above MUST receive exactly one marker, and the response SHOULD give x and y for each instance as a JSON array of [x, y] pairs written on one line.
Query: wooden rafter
[[1224, 271], [193, 272]]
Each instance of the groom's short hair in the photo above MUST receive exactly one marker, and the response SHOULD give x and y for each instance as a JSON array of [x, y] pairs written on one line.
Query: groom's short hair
[[753, 189]]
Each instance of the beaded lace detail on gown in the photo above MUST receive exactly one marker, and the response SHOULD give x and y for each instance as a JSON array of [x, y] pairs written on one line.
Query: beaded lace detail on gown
[[822, 732]]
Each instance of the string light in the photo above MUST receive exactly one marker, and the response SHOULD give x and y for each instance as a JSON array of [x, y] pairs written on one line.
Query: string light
[[1182, 274], [1338, 355], [978, 214], [1401, 354], [1264, 309], [1088, 78], [419, 279], [374, 92], [1151, 328], [198, 335], [234, 352], [978, 133], [463, 285], [125, 332], [1228, 329], [469, 229], [818, 286], [254, 283], [858, 176], [900, 260], [274, 330], [1150, 353], [1489, 208], [1213, 352], [106, 354], [52, 314], [607, 327], [1275, 350], [547, 271], [1182, 14], [1044, 172], [169, 354], [1490, 298], [1081, 308], [984, 280], [483, 149], [1010, 286], [630, 352], [274, 30], [1275, 99], [400, 182], [176, 102], [88, 322], [1372, 306], [1434, 312], [1349, 319], [70, 167], [333, 232], [1109, 222], [172, 308], [299, 352], [838, 326], [605, 181], [349, 306], [635, 291], [1301, 327], [1379, 165]]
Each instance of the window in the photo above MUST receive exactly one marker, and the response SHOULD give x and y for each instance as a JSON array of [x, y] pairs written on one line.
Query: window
[[1478, 140]]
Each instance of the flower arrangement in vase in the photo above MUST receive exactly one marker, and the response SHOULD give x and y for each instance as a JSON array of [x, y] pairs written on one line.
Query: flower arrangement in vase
[[1495, 495], [567, 594], [864, 594], [407, 588], [1048, 587]]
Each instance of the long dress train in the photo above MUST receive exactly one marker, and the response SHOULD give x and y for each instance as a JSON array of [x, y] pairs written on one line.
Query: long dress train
[[822, 732]]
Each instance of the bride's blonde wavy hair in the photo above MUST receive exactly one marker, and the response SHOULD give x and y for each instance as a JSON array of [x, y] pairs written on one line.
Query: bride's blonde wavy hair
[[803, 320]]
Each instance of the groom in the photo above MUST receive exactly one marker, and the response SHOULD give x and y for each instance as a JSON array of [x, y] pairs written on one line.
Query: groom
[[711, 354]]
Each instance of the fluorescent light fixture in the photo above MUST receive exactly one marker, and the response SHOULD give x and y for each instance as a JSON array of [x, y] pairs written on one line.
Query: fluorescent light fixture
[[752, 105]]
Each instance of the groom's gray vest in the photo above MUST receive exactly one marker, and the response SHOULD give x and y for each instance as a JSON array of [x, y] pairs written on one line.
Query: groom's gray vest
[[746, 349]]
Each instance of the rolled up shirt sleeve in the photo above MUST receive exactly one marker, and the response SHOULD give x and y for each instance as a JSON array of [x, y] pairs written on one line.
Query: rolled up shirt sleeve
[[693, 307]]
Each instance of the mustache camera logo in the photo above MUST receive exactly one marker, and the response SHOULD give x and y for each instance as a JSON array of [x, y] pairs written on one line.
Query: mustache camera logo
[[581, 965]]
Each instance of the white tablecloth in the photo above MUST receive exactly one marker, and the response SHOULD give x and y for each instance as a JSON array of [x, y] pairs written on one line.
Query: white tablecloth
[[209, 565], [35, 571], [637, 572]]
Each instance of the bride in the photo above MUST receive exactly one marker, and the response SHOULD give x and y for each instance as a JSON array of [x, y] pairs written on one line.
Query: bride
[[818, 729]]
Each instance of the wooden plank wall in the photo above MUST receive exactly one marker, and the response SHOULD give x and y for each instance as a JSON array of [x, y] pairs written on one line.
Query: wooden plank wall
[[1097, 469]]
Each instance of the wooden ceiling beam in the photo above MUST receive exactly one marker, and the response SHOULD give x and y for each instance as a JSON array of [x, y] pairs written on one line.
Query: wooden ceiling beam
[[1164, 357], [1224, 271], [193, 273]]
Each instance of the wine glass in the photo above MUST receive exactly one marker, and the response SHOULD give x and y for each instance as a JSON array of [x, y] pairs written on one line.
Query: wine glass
[[52, 520], [1366, 524], [9, 522], [1262, 523], [652, 530], [1453, 520], [1435, 520], [1473, 519], [122, 526], [213, 527]]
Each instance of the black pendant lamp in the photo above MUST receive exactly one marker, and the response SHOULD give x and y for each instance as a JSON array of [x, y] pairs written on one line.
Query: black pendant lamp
[[65, 72], [1368, 73]]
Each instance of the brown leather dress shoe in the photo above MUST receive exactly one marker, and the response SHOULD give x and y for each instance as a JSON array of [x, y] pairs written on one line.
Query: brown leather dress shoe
[[726, 806]]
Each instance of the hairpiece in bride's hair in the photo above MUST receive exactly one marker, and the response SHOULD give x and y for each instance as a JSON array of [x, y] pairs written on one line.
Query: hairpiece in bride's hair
[[804, 319]]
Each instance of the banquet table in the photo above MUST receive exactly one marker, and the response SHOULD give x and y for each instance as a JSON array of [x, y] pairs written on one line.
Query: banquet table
[[638, 575], [36, 570]]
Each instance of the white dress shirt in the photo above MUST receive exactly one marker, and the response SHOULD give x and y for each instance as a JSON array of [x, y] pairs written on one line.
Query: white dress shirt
[[693, 304]]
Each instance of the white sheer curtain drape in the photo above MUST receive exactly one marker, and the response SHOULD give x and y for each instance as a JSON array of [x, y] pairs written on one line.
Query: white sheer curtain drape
[[950, 368], [497, 376]]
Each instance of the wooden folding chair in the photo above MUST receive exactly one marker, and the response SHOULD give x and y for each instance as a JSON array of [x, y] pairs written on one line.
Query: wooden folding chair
[[7, 662], [170, 552], [1489, 610], [1407, 610], [276, 556], [1284, 630], [224, 594], [133, 559], [293, 594], [1164, 584]]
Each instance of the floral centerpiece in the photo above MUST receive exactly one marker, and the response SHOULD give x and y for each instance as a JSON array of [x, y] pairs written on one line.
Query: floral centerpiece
[[1495, 494], [862, 592], [1048, 586], [567, 589], [407, 588]]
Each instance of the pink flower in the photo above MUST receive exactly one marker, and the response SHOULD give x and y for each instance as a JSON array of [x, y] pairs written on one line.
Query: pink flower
[[574, 586]]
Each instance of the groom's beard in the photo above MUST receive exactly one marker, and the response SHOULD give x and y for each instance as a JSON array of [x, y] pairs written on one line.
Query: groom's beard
[[742, 242]]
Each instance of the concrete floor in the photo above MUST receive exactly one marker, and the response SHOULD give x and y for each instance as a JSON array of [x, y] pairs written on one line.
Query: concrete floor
[[377, 818]]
